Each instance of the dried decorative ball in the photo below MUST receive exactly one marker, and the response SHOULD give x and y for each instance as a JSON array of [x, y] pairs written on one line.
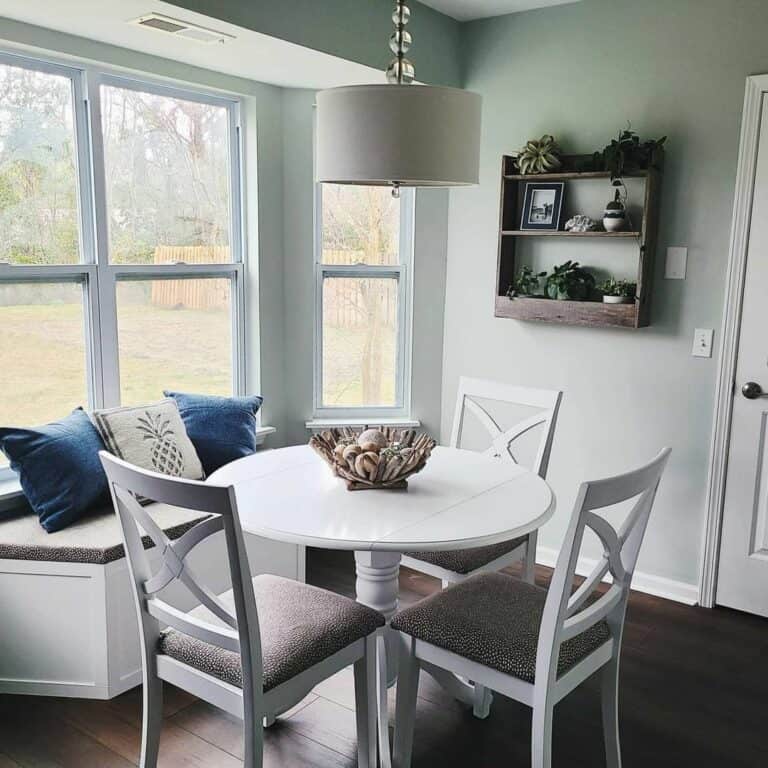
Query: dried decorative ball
[[373, 436]]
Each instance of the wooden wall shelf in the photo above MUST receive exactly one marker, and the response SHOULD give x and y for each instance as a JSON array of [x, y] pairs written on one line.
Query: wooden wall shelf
[[563, 233], [567, 312], [585, 313]]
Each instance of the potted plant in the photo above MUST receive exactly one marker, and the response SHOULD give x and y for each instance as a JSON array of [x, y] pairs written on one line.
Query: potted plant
[[570, 281], [618, 291], [627, 154], [528, 283]]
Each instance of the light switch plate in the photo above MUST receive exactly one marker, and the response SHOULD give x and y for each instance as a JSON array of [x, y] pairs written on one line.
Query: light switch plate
[[702, 342], [677, 263]]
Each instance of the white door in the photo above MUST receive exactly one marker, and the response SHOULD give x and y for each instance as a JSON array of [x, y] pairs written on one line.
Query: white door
[[743, 570]]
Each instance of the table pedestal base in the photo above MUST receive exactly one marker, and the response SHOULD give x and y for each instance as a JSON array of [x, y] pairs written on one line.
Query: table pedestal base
[[377, 587]]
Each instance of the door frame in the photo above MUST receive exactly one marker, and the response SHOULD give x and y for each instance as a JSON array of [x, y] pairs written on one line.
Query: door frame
[[757, 88]]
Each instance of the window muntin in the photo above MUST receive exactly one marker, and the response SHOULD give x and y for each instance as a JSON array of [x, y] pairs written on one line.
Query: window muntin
[[176, 335], [39, 215], [92, 355], [363, 254]]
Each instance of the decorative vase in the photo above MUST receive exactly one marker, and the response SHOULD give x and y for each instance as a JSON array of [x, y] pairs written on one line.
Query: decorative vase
[[615, 216]]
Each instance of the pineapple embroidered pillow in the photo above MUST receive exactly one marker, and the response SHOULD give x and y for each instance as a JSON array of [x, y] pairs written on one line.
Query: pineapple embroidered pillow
[[151, 437]]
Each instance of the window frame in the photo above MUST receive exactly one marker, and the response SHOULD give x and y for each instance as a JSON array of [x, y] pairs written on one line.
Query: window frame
[[98, 276], [402, 273]]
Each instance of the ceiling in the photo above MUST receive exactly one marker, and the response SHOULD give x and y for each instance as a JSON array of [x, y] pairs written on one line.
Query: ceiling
[[250, 55], [466, 10]]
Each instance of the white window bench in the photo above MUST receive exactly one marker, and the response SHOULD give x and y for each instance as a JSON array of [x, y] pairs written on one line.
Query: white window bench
[[67, 613]]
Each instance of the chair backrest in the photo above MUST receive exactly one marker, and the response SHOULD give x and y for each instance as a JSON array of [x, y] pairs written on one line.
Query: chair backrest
[[546, 401], [568, 613], [240, 634]]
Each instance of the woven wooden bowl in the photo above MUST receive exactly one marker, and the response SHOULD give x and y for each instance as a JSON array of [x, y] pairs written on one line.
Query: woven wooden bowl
[[374, 458]]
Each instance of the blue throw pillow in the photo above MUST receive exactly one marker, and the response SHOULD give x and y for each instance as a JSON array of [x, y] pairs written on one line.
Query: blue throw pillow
[[222, 429], [59, 468]]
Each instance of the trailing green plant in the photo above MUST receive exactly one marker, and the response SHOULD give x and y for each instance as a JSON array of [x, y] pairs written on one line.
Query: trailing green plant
[[570, 281], [624, 288], [527, 283], [628, 154]]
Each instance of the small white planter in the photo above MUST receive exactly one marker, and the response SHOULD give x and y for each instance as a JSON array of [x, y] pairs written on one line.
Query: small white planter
[[618, 300]]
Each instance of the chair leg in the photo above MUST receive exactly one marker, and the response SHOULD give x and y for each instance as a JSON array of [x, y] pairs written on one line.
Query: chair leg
[[529, 563], [482, 699], [405, 708], [365, 705], [541, 737], [253, 737], [610, 700], [152, 720]]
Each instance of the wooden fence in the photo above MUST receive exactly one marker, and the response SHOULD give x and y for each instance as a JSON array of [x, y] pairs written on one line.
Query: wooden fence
[[202, 293], [348, 303]]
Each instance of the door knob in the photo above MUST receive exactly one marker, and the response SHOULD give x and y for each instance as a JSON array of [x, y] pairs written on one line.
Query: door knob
[[752, 391]]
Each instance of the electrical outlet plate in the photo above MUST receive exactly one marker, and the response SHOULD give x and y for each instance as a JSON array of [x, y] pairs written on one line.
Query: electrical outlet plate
[[677, 263], [702, 342]]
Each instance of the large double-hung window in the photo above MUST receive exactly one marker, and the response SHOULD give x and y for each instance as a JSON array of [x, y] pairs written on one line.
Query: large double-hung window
[[121, 253], [364, 252]]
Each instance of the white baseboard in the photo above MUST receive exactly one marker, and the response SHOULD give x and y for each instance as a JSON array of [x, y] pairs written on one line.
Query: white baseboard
[[658, 586]]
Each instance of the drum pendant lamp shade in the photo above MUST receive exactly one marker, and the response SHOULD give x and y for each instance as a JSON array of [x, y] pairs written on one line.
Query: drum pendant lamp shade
[[400, 135]]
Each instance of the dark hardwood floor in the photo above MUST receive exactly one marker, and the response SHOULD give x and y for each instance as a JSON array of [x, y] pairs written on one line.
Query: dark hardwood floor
[[693, 694]]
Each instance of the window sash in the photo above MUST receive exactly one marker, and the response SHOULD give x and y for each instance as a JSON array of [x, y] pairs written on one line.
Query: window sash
[[99, 277], [401, 272]]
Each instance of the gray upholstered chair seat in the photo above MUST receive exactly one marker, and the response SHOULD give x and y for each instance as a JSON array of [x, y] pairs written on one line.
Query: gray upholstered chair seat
[[95, 539], [494, 619], [300, 626], [465, 561]]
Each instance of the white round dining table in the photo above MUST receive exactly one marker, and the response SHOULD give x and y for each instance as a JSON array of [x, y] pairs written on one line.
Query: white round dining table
[[461, 499]]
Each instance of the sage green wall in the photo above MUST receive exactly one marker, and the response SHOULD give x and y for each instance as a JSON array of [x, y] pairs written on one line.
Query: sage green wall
[[357, 30], [580, 71]]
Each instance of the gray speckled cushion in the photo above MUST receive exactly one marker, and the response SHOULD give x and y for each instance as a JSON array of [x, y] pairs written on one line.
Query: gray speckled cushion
[[494, 619], [467, 560], [300, 626], [95, 539]]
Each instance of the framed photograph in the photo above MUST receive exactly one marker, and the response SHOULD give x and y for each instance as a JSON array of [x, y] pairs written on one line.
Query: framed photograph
[[543, 205]]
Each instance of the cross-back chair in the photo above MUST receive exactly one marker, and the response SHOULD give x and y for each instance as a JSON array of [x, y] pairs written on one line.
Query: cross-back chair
[[451, 567], [530, 644], [239, 651]]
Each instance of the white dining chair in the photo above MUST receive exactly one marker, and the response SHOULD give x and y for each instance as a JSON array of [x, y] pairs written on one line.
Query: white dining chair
[[456, 565], [254, 651], [531, 644]]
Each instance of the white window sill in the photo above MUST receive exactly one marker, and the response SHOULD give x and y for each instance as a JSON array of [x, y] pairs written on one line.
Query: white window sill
[[11, 494], [262, 433], [330, 423]]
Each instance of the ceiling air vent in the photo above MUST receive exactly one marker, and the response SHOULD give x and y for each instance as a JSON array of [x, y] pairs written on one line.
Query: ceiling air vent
[[180, 28]]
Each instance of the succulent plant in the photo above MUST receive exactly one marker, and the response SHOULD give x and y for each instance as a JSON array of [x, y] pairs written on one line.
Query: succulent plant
[[614, 287], [539, 156]]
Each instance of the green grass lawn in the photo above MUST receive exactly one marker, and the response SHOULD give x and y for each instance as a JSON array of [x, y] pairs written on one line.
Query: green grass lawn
[[43, 370], [42, 357]]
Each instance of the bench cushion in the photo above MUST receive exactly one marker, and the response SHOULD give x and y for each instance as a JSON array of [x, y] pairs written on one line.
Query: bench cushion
[[494, 619], [465, 561], [300, 626], [95, 539]]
